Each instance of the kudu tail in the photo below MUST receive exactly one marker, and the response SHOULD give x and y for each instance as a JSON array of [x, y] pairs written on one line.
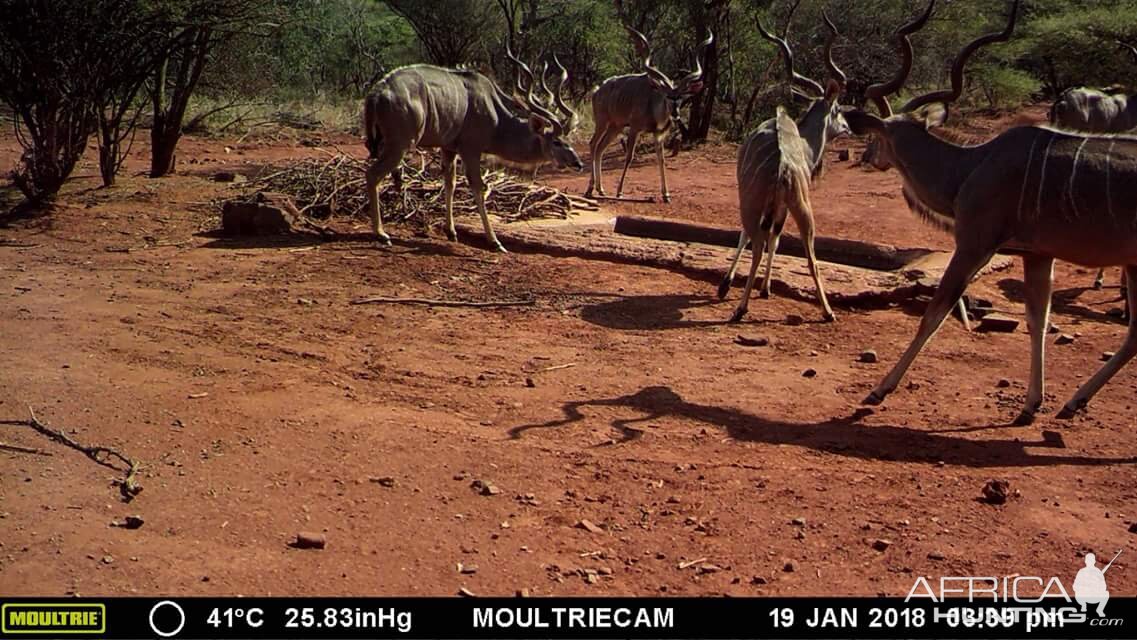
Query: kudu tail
[[373, 136]]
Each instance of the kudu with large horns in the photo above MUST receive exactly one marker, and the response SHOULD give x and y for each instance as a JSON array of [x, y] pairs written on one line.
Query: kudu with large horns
[[645, 102], [776, 166], [1046, 193], [464, 115]]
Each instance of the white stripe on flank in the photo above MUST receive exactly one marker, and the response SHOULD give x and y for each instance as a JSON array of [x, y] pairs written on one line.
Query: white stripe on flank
[[1073, 176], [1042, 176], [1108, 190], [750, 171], [1026, 176]]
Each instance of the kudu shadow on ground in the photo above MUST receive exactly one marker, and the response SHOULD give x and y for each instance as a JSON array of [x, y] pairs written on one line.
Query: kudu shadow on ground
[[1065, 301], [658, 312], [843, 436]]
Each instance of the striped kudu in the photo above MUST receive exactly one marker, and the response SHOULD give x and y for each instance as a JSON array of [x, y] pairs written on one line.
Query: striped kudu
[[464, 114], [1046, 193], [878, 94], [776, 166], [1097, 111], [645, 102]]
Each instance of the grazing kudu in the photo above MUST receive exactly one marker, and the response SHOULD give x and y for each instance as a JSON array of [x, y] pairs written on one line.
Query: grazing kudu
[[643, 103], [1096, 111], [553, 99], [1044, 192], [776, 166], [463, 114]]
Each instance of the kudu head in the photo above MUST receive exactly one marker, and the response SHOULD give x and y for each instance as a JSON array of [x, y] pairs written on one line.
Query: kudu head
[[823, 104], [552, 130], [687, 86], [921, 112]]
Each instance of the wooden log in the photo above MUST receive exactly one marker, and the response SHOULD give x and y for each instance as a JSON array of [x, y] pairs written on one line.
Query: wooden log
[[878, 257]]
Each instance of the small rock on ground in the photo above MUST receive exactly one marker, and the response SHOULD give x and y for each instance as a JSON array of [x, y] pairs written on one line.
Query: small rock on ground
[[309, 540], [996, 491]]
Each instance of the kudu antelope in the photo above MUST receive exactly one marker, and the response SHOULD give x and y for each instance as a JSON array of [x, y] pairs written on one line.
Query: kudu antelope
[[645, 102], [463, 114], [1043, 192], [1097, 111], [776, 165]]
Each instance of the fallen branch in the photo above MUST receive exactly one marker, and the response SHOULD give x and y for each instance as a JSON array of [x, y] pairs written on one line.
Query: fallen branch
[[445, 303], [647, 199], [691, 563], [556, 367], [102, 455], [18, 449]]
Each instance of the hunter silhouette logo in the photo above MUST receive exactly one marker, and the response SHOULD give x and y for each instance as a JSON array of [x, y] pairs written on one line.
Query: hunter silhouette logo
[[1089, 584]]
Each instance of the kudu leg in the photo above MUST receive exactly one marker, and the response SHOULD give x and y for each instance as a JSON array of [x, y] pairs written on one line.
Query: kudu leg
[[756, 246], [1128, 349], [662, 168], [478, 186], [962, 268], [600, 141], [802, 211], [1099, 281], [724, 286], [449, 168], [772, 241], [1039, 279], [629, 153], [386, 164]]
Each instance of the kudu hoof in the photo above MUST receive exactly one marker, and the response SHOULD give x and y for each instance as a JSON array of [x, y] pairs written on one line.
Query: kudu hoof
[[873, 399], [1024, 419], [452, 236], [724, 288], [764, 294], [737, 316], [666, 198], [384, 240], [829, 316], [499, 248], [1068, 412]]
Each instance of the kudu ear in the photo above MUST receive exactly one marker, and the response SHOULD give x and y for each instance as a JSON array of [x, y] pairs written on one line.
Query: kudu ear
[[832, 91], [694, 87], [538, 124], [861, 123]]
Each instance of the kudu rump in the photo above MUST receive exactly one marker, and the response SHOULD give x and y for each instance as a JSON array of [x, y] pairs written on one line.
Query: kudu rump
[[463, 114], [1097, 111], [1046, 193], [776, 166], [643, 103]]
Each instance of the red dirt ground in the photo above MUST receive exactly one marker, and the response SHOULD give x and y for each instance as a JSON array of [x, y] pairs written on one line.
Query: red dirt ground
[[677, 443]]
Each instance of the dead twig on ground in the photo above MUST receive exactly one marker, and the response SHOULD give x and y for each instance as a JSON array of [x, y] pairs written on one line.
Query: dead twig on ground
[[335, 185], [18, 449], [445, 303], [102, 455]]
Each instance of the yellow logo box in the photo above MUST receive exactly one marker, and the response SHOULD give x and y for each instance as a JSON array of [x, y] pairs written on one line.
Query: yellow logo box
[[54, 618]]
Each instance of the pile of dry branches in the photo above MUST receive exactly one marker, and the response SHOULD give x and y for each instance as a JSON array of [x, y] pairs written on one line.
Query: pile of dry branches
[[322, 187]]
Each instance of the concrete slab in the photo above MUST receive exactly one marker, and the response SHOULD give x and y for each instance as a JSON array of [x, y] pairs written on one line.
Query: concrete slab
[[846, 285]]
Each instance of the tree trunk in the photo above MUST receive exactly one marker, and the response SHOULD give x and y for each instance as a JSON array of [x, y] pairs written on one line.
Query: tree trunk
[[171, 99], [163, 144]]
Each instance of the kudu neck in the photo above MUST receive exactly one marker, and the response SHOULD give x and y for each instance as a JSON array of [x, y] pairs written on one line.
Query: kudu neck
[[515, 141], [814, 129], [932, 168]]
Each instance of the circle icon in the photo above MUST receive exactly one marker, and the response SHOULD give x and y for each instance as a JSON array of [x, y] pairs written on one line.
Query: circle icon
[[181, 614]]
